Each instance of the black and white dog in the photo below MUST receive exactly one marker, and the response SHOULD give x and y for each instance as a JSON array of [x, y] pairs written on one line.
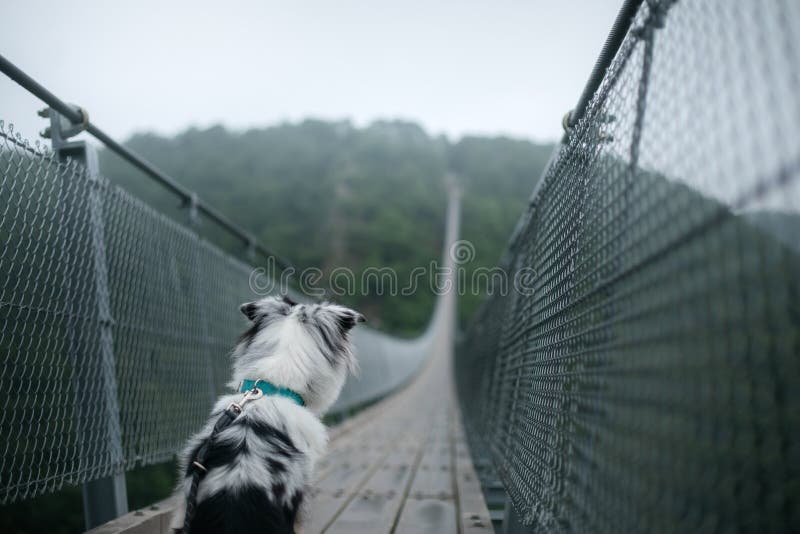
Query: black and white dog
[[257, 469]]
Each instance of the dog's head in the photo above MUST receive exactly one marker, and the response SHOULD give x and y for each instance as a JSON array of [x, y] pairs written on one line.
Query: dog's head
[[304, 347]]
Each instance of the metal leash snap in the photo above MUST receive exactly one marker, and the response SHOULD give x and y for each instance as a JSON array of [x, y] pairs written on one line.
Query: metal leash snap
[[249, 395], [253, 394]]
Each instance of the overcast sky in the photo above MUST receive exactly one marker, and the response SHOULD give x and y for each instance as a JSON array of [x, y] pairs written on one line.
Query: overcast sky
[[457, 67]]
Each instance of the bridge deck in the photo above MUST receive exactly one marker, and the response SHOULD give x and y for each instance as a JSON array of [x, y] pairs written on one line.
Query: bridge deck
[[401, 466]]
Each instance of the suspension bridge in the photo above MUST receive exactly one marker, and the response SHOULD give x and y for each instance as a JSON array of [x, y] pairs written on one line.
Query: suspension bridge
[[647, 379]]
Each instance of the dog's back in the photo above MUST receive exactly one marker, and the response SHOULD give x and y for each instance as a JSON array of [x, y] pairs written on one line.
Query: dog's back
[[247, 509], [258, 468]]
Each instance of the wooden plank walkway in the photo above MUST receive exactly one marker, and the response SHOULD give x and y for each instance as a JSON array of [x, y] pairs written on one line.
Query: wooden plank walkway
[[403, 465]]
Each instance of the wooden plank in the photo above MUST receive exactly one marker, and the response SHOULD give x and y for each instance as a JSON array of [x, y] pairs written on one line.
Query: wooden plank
[[332, 459], [350, 470], [434, 478], [154, 519], [350, 466], [322, 510], [428, 516], [336, 489], [352, 453], [375, 506], [474, 515], [430, 507]]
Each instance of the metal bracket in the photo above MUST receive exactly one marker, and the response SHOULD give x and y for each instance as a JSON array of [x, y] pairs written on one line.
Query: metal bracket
[[194, 214], [61, 128], [565, 121]]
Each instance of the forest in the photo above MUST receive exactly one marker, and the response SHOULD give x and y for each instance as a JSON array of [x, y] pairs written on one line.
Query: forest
[[332, 195]]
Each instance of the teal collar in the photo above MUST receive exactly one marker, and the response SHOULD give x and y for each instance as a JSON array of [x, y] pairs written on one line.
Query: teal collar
[[268, 388]]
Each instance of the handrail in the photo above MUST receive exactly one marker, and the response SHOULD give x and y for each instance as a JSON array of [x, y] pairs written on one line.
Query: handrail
[[614, 40], [78, 117]]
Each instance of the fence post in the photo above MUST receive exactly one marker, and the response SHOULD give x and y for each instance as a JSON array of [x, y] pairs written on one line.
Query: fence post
[[104, 498], [511, 521]]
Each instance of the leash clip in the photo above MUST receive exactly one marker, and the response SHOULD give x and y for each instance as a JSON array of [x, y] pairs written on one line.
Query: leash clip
[[253, 394], [249, 395]]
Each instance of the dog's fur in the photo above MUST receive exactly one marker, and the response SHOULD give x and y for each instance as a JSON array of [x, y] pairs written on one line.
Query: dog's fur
[[260, 467]]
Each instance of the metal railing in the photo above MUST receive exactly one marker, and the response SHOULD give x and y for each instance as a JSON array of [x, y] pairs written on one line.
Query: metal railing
[[77, 120], [650, 380], [116, 321]]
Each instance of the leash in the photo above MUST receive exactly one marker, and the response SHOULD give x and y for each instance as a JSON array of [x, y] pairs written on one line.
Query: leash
[[198, 469]]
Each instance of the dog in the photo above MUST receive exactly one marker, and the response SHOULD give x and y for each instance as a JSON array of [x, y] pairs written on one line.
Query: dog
[[256, 471]]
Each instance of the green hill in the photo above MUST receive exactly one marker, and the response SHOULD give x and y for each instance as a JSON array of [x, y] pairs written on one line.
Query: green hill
[[328, 195]]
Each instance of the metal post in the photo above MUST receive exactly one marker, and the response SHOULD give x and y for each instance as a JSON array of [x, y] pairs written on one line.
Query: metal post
[[511, 521], [105, 498]]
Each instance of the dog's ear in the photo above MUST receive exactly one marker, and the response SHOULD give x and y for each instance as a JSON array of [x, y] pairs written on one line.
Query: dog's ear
[[346, 318], [250, 310], [288, 300]]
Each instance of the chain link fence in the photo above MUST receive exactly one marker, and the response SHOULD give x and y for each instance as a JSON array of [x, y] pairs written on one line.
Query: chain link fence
[[116, 323], [651, 381], [115, 327]]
